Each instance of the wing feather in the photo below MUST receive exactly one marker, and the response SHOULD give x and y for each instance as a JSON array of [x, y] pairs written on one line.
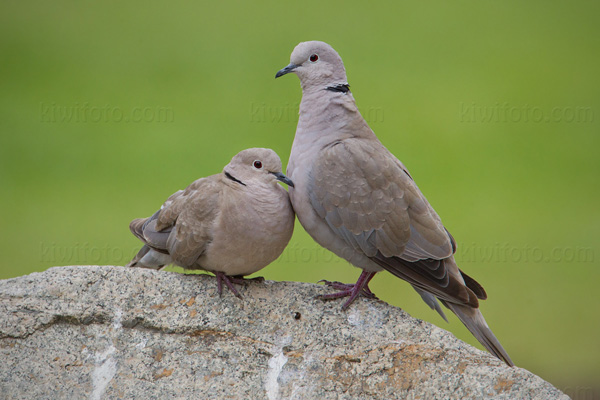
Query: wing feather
[[182, 226], [368, 198], [362, 189]]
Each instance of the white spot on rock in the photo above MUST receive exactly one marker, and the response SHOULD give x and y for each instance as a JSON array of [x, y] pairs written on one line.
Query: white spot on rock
[[117, 320], [354, 318], [276, 364], [106, 368], [142, 344], [106, 365]]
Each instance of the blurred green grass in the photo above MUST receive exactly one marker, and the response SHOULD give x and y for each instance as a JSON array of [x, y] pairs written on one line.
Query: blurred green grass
[[519, 193]]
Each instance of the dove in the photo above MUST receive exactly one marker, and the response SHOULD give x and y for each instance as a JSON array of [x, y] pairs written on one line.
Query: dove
[[356, 199], [231, 224]]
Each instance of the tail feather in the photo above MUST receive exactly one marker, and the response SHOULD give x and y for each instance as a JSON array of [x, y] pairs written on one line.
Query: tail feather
[[431, 301], [143, 251], [137, 228], [475, 323], [149, 258], [474, 286]]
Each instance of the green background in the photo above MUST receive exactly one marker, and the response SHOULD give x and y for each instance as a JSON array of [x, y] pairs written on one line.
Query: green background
[[106, 108]]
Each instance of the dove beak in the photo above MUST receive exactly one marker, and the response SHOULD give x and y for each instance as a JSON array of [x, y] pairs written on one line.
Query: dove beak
[[282, 178], [286, 70]]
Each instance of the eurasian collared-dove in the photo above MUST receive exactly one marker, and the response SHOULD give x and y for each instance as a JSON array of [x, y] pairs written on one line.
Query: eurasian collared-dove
[[231, 224], [358, 200]]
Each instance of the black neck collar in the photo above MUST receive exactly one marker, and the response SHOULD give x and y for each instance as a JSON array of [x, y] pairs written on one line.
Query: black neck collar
[[229, 176], [342, 87]]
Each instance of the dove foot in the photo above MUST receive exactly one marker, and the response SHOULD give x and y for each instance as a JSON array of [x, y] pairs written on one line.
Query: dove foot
[[351, 290], [230, 280], [346, 287]]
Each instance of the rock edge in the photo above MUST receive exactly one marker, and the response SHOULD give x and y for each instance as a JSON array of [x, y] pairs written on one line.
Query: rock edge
[[113, 332]]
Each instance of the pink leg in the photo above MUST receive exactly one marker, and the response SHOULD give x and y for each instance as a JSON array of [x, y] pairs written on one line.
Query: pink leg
[[221, 277], [361, 287], [230, 280]]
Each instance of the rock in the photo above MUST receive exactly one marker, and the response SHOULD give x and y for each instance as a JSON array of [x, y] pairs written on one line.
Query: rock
[[116, 333]]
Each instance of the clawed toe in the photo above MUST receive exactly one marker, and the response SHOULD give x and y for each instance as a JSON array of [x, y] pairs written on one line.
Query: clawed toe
[[221, 277], [230, 280], [351, 290], [337, 285]]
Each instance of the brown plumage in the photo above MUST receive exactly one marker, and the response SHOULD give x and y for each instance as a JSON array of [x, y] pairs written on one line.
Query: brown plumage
[[232, 224], [358, 200]]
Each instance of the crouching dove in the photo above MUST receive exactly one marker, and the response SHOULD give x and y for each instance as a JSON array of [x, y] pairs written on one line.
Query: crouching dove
[[358, 200], [231, 224]]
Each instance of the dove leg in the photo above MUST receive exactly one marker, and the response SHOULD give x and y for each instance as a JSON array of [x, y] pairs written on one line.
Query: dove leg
[[351, 290], [221, 277], [230, 280], [346, 287]]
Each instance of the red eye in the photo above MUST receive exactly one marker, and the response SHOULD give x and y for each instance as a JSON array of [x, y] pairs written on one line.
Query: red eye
[[257, 164], [314, 58]]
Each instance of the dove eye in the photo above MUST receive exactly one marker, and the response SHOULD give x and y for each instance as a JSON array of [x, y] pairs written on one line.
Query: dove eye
[[314, 58], [257, 164]]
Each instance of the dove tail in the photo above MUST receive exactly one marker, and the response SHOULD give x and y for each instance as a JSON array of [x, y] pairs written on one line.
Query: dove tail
[[137, 227], [148, 258], [135, 261], [431, 301], [474, 321]]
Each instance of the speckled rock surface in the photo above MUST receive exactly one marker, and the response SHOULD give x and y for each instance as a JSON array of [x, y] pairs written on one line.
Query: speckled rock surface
[[115, 333]]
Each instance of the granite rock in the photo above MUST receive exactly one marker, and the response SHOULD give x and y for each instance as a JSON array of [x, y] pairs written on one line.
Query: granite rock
[[102, 332]]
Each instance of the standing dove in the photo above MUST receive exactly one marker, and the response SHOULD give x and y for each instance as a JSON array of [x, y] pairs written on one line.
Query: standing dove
[[231, 224], [358, 200]]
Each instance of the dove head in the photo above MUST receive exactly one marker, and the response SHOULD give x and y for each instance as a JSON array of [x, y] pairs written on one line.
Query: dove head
[[317, 65], [256, 166]]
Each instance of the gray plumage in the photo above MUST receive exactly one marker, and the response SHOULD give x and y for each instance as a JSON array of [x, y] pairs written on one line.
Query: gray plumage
[[232, 224], [358, 200]]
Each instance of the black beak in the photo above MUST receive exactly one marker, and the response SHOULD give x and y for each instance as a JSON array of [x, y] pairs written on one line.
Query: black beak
[[286, 70], [282, 178]]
